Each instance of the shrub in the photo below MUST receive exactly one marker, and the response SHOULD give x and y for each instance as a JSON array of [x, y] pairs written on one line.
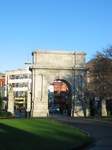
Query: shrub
[[5, 114]]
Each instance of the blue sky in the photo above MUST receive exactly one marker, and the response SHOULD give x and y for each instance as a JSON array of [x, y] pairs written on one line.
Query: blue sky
[[26, 25]]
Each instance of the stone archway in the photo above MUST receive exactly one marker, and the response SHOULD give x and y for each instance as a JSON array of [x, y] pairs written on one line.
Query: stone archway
[[49, 66]]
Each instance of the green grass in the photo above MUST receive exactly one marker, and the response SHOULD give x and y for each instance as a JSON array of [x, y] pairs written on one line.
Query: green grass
[[39, 134]]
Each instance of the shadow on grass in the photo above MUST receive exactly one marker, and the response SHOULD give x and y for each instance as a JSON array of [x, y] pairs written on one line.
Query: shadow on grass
[[15, 139]]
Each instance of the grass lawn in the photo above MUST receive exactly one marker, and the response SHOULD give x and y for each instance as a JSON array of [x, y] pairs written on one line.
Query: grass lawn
[[39, 134]]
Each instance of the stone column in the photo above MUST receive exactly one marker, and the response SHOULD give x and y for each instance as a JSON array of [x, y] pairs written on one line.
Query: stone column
[[10, 101], [80, 106], [28, 108], [103, 107], [39, 95]]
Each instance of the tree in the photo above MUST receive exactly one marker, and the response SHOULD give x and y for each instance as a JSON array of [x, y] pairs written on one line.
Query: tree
[[102, 72], [100, 75], [108, 52]]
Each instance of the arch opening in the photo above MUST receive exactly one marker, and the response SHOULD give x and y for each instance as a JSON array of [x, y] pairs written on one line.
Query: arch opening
[[59, 97]]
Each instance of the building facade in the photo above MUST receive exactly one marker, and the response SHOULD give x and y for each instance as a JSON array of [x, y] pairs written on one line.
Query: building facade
[[18, 88], [2, 91], [2, 84]]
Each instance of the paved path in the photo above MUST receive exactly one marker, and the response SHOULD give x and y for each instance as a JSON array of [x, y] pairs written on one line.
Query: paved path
[[101, 131]]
